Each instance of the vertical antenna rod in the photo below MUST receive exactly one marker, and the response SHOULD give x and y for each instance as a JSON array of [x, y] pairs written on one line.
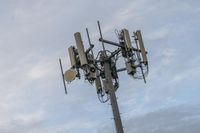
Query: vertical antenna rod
[[101, 35], [89, 41], [63, 76]]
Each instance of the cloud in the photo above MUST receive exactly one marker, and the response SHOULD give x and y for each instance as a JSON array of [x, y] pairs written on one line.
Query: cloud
[[30, 118], [42, 69], [178, 119], [175, 119]]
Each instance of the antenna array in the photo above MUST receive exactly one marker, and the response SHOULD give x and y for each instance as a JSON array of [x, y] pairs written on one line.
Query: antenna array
[[102, 69]]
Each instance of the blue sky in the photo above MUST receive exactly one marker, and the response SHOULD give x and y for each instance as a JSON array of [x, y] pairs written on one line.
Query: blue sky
[[35, 33]]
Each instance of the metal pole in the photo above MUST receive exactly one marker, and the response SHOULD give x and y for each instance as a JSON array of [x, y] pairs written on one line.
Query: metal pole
[[113, 100], [99, 26]]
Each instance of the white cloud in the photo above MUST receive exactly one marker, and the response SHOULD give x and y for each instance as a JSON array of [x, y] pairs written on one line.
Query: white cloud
[[30, 118], [43, 68]]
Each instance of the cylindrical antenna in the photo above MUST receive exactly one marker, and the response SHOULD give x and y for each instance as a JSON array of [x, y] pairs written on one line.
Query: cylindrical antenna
[[101, 35]]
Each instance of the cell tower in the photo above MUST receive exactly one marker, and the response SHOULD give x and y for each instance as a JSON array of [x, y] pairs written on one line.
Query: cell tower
[[102, 70]]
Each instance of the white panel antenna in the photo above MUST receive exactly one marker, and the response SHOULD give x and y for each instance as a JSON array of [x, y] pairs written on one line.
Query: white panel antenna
[[72, 56], [141, 44], [98, 84], [80, 47], [127, 39]]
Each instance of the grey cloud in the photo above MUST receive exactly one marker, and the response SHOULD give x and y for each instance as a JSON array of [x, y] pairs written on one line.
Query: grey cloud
[[178, 119]]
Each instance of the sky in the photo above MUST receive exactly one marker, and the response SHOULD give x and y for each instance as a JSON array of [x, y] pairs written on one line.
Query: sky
[[34, 34]]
